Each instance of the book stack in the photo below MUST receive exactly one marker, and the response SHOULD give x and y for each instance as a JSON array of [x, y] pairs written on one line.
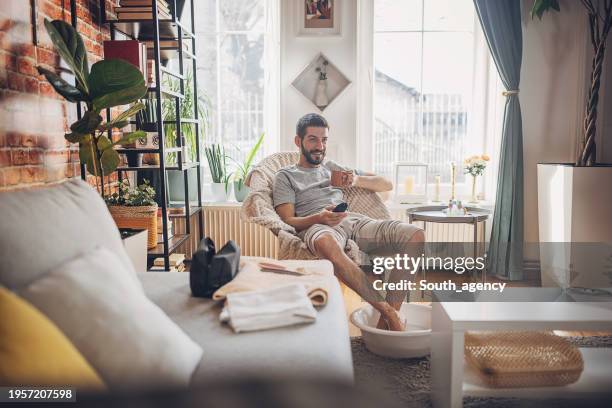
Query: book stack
[[131, 51], [164, 45], [177, 263], [142, 10]]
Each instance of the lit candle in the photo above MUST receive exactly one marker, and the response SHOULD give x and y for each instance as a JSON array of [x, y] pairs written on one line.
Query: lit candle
[[437, 190], [408, 184]]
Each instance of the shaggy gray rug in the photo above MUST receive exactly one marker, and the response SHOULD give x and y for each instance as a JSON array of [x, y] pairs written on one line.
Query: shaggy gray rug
[[407, 381]]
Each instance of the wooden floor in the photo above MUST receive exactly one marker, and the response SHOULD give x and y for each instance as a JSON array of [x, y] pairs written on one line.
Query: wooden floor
[[353, 301]]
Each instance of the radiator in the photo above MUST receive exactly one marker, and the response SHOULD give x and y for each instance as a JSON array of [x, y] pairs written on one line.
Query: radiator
[[222, 222], [441, 233]]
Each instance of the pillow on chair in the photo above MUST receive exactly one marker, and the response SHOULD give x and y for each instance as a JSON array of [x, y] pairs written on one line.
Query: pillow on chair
[[130, 341]]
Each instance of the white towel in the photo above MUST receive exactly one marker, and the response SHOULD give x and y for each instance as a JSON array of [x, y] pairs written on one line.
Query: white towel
[[269, 308]]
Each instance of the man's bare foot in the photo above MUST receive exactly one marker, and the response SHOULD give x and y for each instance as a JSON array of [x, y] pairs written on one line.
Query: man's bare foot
[[382, 324], [390, 320]]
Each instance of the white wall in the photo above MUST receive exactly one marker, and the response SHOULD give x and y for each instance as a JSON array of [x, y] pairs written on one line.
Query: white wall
[[296, 53], [552, 94]]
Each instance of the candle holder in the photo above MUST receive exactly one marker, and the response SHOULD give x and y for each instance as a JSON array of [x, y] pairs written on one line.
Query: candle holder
[[410, 181]]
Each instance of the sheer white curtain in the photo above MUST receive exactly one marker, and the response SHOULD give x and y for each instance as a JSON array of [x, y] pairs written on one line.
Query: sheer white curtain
[[272, 77]]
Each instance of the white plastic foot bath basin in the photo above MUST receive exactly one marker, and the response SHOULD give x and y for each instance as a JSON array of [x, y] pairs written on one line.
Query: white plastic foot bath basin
[[415, 341]]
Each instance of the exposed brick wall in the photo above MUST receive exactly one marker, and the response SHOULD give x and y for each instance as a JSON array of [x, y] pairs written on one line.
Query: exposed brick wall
[[33, 118]]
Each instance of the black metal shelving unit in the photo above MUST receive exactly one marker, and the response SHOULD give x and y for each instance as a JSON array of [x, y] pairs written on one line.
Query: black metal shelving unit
[[132, 29]]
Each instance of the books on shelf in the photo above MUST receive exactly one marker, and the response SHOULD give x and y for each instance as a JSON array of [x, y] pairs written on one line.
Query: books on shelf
[[176, 263], [167, 44], [175, 259], [131, 51], [140, 3], [141, 10]]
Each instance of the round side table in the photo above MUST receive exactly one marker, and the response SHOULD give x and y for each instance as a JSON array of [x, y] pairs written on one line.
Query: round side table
[[433, 213]]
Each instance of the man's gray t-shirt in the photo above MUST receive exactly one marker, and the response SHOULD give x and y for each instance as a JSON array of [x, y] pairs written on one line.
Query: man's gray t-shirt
[[308, 189]]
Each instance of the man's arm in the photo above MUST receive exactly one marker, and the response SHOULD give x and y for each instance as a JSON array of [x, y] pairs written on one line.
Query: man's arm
[[287, 213], [370, 181]]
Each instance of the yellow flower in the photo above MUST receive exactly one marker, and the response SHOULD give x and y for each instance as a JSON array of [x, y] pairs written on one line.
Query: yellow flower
[[485, 157]]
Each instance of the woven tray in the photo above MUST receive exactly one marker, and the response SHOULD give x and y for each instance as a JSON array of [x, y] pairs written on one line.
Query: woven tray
[[523, 359], [143, 217]]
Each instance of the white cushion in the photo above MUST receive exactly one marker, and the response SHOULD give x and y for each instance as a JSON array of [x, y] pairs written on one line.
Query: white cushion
[[43, 228], [130, 342]]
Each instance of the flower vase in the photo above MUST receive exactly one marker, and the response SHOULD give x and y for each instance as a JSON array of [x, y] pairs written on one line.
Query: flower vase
[[474, 198], [321, 99]]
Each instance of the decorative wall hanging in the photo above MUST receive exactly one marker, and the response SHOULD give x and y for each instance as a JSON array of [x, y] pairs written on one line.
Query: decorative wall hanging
[[321, 82]]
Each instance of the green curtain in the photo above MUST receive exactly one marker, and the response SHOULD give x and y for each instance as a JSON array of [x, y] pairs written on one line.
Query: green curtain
[[501, 23]]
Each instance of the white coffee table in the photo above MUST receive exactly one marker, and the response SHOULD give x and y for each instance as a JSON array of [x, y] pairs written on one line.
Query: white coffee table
[[452, 379]]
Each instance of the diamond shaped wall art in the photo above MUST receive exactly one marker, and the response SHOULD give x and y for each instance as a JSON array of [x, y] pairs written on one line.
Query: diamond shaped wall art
[[321, 82]]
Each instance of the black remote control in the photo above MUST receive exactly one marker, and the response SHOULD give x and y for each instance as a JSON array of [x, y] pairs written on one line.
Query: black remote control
[[342, 207]]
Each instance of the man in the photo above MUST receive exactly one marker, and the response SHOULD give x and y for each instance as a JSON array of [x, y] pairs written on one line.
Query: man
[[304, 198]]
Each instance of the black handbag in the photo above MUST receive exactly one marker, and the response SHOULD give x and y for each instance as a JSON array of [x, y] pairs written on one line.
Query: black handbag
[[210, 269]]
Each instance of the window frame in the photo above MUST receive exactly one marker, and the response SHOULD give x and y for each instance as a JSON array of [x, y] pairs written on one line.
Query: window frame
[[270, 32], [486, 120]]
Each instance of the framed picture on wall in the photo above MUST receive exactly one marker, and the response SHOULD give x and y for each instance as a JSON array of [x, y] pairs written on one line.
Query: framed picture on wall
[[318, 18]]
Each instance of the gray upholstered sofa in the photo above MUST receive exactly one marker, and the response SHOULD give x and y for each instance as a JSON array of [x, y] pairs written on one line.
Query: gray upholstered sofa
[[42, 228]]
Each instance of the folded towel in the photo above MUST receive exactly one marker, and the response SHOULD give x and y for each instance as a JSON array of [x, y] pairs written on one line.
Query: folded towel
[[252, 278], [267, 309]]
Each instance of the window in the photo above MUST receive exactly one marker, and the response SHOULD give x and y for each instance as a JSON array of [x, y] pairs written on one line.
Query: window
[[430, 83], [233, 56]]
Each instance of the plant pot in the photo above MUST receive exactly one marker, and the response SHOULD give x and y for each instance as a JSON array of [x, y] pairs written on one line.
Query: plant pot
[[218, 193], [241, 191], [575, 225], [134, 159], [176, 185], [140, 217], [135, 244]]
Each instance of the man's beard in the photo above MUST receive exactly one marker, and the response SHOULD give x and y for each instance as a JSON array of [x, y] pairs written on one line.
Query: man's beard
[[308, 155]]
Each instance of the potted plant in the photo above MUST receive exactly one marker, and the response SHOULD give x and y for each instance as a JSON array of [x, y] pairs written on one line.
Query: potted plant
[[135, 208], [176, 183], [215, 155], [146, 121], [107, 84], [475, 166], [573, 198], [241, 190]]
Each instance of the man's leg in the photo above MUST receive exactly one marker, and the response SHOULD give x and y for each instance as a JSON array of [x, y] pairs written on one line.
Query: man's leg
[[408, 241], [349, 273], [388, 238]]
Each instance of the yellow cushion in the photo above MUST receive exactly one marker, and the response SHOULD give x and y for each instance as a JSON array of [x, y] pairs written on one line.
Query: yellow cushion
[[33, 351]]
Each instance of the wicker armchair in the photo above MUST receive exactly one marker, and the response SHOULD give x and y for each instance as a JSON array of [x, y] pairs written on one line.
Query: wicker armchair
[[259, 209]]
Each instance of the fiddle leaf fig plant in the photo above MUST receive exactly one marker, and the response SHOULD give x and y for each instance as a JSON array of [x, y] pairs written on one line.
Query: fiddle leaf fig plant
[[109, 83]]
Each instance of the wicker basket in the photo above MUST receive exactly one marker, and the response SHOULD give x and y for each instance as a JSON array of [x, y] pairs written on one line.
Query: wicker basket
[[523, 359], [143, 217]]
